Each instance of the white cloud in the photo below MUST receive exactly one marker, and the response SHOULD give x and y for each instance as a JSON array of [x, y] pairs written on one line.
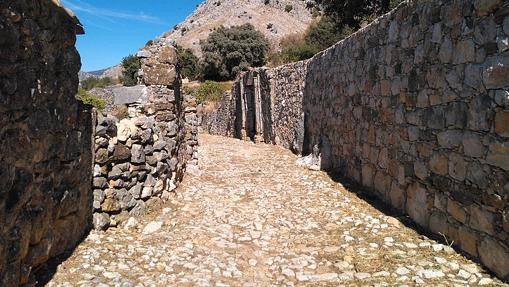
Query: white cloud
[[109, 15]]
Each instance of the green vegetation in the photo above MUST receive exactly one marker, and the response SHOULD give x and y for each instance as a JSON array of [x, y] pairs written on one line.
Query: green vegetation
[[354, 12], [131, 65], [288, 8], [208, 91], [189, 62], [341, 18], [318, 37], [228, 51], [94, 82], [90, 99]]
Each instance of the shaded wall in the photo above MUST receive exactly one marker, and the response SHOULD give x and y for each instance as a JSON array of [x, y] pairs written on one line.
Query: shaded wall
[[415, 107], [46, 139]]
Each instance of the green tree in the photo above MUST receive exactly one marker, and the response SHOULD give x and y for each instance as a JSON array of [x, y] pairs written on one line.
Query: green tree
[[189, 63], [131, 65], [353, 12], [228, 51]]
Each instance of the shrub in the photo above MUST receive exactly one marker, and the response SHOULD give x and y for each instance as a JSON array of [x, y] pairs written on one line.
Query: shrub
[[228, 51], [288, 8], [208, 91], [131, 65], [94, 82], [354, 12], [90, 99], [189, 63], [319, 36]]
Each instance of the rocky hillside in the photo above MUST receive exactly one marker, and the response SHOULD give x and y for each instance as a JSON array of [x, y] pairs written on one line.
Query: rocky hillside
[[274, 18]]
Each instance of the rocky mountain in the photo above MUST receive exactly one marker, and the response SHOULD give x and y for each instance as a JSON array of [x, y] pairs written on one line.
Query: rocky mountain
[[274, 18], [113, 73]]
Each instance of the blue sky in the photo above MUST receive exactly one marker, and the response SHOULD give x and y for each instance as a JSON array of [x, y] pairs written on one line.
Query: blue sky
[[116, 28]]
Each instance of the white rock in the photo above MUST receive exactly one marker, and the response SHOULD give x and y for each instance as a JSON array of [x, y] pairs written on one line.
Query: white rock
[[362, 275], [288, 272], [323, 277], [131, 223], [152, 227], [402, 271], [485, 281], [464, 274]]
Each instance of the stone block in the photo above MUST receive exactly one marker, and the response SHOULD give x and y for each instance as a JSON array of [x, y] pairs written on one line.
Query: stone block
[[495, 76], [486, 7], [495, 256], [368, 173], [502, 123], [498, 155], [159, 74], [468, 239], [397, 196], [472, 145], [101, 221], [450, 138], [439, 164], [457, 167], [121, 153], [481, 219], [137, 154], [421, 170], [417, 204], [464, 52], [456, 211], [438, 223], [125, 130]]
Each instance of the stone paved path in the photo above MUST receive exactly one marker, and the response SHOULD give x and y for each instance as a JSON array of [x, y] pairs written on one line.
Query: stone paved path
[[254, 218]]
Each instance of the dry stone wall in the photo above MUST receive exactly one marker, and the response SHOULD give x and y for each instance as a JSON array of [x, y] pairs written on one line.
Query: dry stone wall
[[415, 107], [142, 158], [46, 139]]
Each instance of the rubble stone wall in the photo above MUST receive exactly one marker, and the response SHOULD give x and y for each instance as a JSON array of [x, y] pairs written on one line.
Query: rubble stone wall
[[415, 107], [143, 157], [46, 139]]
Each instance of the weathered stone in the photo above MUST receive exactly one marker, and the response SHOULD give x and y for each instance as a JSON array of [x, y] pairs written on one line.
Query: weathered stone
[[421, 171], [495, 76], [481, 220], [101, 156], [498, 155], [450, 138], [468, 241], [121, 153], [438, 223], [457, 167], [485, 7], [146, 192], [126, 129], [101, 221], [416, 204], [502, 123], [464, 52], [100, 182], [137, 154], [456, 211], [506, 25], [472, 145], [446, 51], [495, 256], [439, 164]]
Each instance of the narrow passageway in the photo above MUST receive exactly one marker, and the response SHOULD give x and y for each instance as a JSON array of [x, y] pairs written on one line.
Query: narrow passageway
[[252, 217]]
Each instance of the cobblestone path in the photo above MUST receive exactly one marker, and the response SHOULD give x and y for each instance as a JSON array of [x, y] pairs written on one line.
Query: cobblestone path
[[252, 217]]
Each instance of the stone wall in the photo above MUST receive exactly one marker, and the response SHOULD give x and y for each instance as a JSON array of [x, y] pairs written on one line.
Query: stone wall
[[141, 159], [46, 139], [415, 107]]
